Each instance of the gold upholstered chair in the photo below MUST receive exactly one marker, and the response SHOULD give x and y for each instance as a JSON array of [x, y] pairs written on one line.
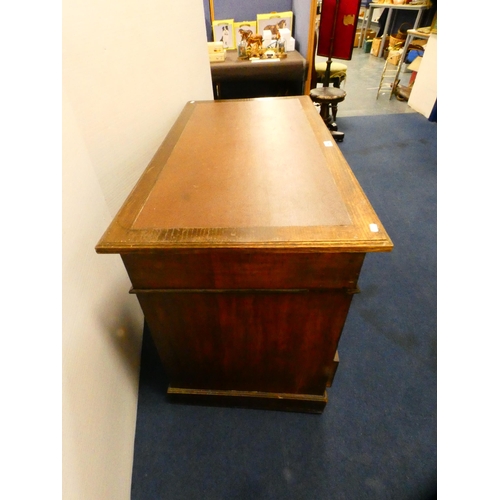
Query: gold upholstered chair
[[338, 73]]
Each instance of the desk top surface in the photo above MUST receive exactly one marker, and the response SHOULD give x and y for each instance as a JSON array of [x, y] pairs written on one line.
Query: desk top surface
[[247, 173], [292, 66]]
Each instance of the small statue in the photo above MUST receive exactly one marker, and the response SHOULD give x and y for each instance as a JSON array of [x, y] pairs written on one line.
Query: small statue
[[255, 49], [245, 34], [254, 39]]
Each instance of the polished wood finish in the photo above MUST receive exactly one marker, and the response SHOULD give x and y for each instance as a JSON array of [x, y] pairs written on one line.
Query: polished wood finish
[[242, 269], [244, 243], [278, 341], [262, 119], [311, 47]]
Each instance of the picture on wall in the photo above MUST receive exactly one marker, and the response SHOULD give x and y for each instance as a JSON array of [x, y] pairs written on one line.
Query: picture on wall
[[274, 21], [224, 32], [247, 28]]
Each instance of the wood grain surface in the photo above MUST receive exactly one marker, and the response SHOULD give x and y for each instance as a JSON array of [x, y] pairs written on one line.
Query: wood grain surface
[[247, 174], [244, 240]]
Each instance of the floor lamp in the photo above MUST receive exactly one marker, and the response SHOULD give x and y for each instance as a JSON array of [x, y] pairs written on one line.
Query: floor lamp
[[337, 30]]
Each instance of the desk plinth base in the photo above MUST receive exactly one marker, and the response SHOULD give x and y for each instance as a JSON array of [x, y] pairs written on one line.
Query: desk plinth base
[[305, 403]]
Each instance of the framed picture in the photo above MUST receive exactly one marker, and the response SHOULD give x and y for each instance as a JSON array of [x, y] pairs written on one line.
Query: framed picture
[[274, 22], [243, 28], [224, 32]]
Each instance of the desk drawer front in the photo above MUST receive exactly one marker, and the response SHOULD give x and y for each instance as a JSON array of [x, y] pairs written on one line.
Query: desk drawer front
[[242, 270]]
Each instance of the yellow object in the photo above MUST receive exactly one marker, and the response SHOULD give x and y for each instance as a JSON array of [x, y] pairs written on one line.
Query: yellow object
[[245, 27], [394, 56], [217, 57], [337, 70], [415, 64], [216, 51], [224, 32], [215, 47], [274, 21]]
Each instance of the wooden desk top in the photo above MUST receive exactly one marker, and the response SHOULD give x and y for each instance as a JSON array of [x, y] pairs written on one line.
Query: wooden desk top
[[292, 67], [253, 173]]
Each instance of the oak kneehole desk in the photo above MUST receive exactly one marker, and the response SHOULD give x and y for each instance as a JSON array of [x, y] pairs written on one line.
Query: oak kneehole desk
[[244, 239]]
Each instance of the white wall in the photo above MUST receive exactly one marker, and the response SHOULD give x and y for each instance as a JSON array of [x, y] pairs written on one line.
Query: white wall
[[302, 19], [126, 77], [424, 92]]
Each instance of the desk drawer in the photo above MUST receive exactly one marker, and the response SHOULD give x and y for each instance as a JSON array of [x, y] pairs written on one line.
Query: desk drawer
[[225, 269]]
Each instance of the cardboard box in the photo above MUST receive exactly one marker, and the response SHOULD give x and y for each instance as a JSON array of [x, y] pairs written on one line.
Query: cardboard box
[[215, 47], [244, 27], [370, 35], [215, 57], [224, 32], [394, 56], [376, 45], [216, 51], [267, 39], [420, 43], [285, 34]]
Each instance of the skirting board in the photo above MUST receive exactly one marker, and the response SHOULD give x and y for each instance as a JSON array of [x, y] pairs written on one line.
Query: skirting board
[[304, 403]]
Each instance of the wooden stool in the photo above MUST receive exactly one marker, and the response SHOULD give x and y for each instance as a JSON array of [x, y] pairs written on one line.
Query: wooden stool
[[328, 98]]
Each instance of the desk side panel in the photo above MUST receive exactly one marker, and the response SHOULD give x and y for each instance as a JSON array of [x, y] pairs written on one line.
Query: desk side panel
[[225, 269], [272, 342]]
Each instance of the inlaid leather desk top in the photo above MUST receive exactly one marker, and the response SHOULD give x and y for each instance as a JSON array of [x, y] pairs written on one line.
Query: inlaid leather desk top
[[234, 167], [247, 173]]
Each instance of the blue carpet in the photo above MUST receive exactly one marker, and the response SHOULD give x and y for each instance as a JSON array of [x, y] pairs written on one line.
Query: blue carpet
[[377, 436]]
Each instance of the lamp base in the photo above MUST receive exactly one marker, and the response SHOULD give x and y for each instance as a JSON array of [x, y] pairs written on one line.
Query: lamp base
[[328, 99]]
